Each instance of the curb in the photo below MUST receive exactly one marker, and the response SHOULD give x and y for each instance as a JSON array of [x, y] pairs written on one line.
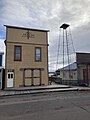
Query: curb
[[26, 92], [42, 88]]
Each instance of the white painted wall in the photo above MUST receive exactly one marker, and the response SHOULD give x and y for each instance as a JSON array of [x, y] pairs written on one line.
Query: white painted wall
[[66, 75]]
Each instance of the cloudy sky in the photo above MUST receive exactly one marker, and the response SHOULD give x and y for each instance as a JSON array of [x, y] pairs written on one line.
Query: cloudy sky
[[50, 14]]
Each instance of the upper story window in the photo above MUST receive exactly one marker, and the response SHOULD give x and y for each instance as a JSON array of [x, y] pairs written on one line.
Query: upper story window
[[17, 53], [37, 54]]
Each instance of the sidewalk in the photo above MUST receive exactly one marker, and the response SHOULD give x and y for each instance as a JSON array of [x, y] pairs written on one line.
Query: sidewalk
[[41, 89]]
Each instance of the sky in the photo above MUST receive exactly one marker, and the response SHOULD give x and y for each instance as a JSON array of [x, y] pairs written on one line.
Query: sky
[[49, 14]]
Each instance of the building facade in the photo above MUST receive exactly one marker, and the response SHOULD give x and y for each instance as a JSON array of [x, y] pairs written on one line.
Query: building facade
[[26, 57], [68, 74], [83, 67]]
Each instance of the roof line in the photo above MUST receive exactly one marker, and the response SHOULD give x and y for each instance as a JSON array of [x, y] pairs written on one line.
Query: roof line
[[9, 26], [83, 52]]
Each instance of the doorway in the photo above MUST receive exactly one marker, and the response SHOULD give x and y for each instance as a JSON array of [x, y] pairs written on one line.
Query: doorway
[[32, 76], [10, 78], [85, 76]]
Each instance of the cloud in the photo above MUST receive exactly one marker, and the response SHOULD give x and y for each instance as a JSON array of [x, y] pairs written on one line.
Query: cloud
[[49, 14]]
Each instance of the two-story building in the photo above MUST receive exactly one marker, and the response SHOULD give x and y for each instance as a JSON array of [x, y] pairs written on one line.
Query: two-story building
[[26, 57]]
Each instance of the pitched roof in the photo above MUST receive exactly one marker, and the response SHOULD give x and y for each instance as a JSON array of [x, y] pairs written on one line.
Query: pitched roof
[[72, 66]]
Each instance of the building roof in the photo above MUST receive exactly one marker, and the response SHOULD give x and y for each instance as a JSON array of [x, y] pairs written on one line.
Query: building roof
[[17, 27], [72, 66]]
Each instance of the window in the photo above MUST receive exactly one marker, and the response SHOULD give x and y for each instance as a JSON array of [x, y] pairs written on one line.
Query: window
[[9, 76], [17, 53], [38, 54]]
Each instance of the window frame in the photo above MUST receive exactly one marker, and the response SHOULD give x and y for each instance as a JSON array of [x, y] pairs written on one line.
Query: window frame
[[36, 60], [15, 59]]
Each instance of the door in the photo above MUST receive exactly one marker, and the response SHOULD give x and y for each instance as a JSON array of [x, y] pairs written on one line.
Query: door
[[10, 79], [85, 76], [36, 77]]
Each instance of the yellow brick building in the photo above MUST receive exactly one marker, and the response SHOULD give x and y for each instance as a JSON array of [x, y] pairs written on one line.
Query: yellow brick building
[[26, 57]]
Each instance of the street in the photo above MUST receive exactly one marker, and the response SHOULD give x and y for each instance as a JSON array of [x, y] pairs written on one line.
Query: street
[[73, 105]]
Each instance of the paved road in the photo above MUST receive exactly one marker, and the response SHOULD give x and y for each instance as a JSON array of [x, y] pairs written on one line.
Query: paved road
[[48, 106]]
